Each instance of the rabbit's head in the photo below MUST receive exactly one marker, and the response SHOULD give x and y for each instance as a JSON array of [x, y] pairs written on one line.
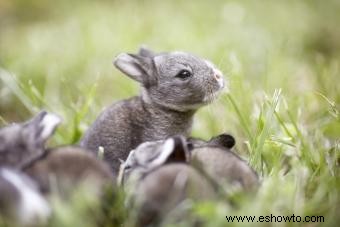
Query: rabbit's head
[[176, 80], [150, 155], [20, 142]]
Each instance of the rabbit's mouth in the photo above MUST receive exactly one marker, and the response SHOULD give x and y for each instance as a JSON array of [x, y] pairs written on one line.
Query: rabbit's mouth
[[213, 90], [211, 96]]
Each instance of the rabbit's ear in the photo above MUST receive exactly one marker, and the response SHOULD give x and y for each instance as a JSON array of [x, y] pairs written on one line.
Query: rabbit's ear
[[145, 52], [174, 150], [137, 67], [224, 140], [180, 151], [42, 126]]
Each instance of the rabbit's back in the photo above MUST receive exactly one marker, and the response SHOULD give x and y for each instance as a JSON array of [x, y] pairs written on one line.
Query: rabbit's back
[[225, 166], [165, 188], [126, 124], [68, 167], [116, 130]]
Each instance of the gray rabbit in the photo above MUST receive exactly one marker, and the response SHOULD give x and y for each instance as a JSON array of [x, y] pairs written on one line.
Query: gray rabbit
[[22, 147], [216, 159], [21, 204], [174, 86], [66, 168], [152, 172], [22, 142], [213, 158], [158, 178]]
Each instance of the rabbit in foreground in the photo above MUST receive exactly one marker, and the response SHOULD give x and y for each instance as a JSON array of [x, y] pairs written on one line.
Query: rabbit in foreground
[[160, 175], [174, 86], [21, 203], [216, 159], [68, 167], [23, 147], [157, 177], [23, 142]]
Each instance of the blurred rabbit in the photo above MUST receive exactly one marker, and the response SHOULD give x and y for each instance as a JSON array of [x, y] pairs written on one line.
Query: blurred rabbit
[[157, 177], [174, 86], [65, 168], [20, 201], [23, 142], [216, 159], [23, 147]]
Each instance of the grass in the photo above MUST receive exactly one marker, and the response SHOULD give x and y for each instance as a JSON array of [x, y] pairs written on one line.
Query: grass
[[281, 59]]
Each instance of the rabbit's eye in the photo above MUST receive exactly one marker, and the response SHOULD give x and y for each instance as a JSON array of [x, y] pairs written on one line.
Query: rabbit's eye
[[184, 74]]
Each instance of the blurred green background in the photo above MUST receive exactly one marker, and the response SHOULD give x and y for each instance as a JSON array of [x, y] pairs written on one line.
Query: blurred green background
[[281, 59]]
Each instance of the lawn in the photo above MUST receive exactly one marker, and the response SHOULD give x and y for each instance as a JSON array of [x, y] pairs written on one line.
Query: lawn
[[281, 60]]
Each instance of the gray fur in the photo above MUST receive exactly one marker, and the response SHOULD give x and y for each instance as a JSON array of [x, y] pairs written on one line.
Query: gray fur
[[148, 156], [221, 164], [158, 185], [21, 142], [213, 157], [161, 192], [66, 168], [21, 204], [165, 107], [23, 147]]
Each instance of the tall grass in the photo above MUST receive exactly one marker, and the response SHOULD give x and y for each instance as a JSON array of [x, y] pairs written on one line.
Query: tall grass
[[281, 59]]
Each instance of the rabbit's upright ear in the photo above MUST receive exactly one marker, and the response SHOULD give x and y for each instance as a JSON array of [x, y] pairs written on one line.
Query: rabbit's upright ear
[[146, 52], [180, 151], [223, 140], [137, 67], [174, 150], [42, 126]]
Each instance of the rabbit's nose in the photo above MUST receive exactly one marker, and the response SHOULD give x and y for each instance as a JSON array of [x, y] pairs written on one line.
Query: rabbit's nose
[[217, 74], [218, 77]]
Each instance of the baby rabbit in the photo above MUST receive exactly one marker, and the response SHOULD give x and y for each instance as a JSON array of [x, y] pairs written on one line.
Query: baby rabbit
[[158, 178], [23, 147], [22, 142], [65, 168], [222, 165], [20, 201], [174, 85]]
